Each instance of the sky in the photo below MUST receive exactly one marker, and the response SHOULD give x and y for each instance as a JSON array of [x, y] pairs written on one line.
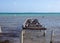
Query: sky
[[29, 5]]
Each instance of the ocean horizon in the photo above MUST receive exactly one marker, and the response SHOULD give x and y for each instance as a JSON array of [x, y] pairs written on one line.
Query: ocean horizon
[[29, 14]]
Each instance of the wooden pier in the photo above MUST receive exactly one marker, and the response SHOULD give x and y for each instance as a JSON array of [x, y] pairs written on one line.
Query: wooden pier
[[32, 25]]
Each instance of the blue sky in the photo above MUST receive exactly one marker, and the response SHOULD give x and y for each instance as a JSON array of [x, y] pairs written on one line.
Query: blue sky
[[29, 5]]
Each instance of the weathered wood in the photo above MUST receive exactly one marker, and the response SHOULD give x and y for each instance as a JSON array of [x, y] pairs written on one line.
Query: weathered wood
[[44, 33], [33, 25], [52, 33], [34, 28], [21, 37]]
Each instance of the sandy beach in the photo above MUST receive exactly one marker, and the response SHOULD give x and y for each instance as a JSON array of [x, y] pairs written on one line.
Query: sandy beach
[[35, 36]]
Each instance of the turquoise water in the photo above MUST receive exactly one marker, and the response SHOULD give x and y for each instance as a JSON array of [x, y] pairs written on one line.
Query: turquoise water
[[29, 14]]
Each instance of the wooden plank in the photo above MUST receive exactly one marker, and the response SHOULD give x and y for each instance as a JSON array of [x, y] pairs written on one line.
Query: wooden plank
[[34, 28]]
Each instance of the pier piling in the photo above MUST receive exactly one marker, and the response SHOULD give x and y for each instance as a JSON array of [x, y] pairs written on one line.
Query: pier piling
[[52, 34]]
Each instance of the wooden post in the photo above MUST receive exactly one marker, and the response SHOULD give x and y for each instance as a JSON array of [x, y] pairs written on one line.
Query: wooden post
[[52, 34], [21, 37], [0, 29], [44, 33]]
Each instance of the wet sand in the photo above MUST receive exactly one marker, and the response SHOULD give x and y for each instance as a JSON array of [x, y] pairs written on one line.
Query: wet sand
[[50, 22], [11, 39], [35, 36]]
